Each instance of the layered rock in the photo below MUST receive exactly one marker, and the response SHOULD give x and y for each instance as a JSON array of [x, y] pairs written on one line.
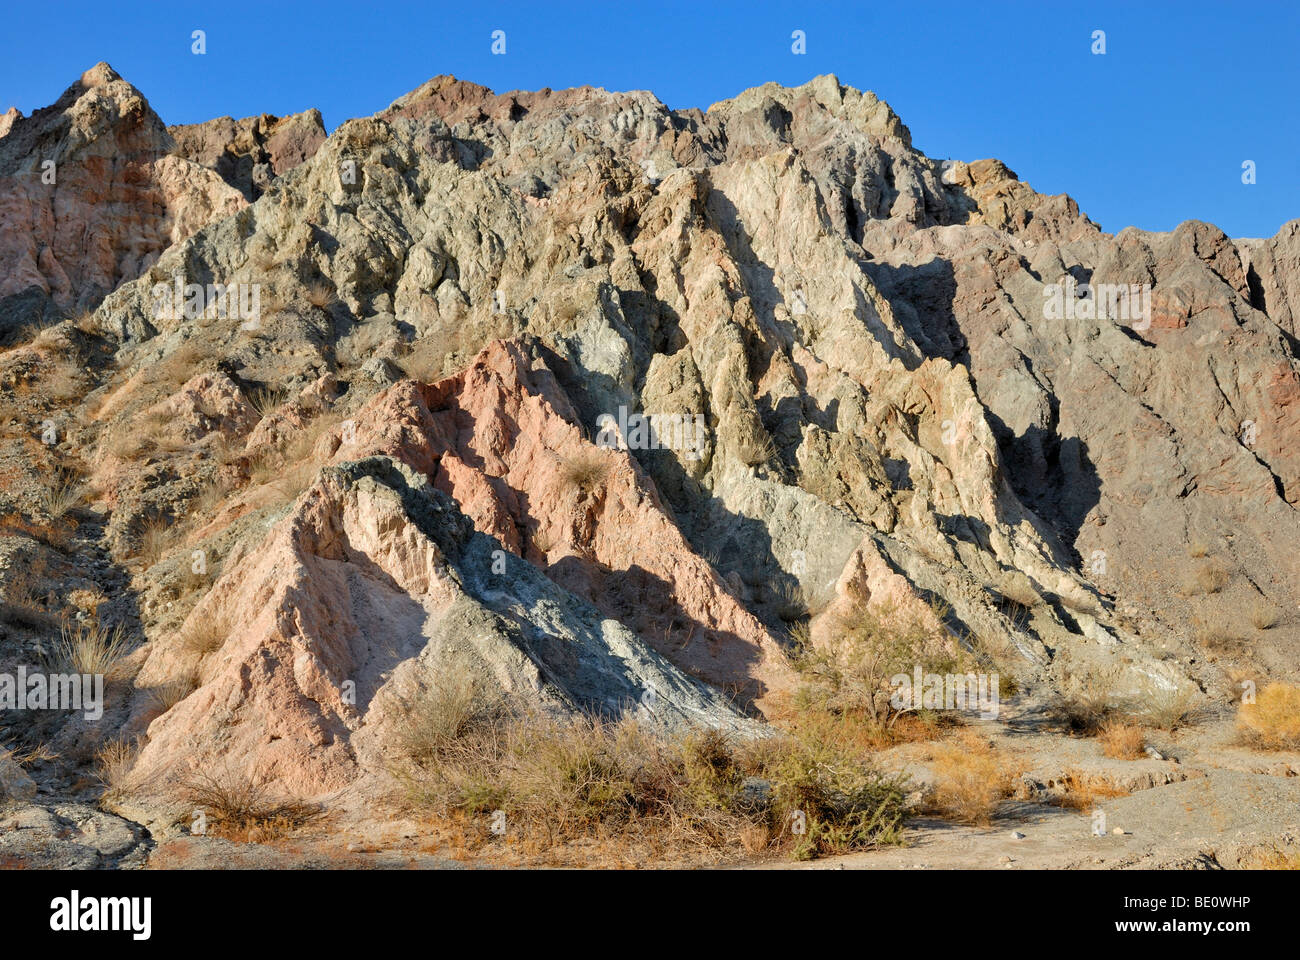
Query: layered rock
[[897, 404], [89, 197], [372, 589], [250, 153]]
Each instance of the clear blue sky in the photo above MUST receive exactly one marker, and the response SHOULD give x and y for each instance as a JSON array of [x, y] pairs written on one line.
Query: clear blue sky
[[1150, 134]]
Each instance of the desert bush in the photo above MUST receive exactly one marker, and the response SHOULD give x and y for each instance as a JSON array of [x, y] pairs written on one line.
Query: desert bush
[[1216, 635], [1086, 703], [90, 647], [585, 470], [971, 777], [560, 780], [265, 399], [1276, 858], [23, 606], [1081, 790], [1206, 578], [446, 714], [243, 806], [1264, 615], [1272, 722], [1168, 708], [870, 646], [1121, 741], [60, 493], [113, 762]]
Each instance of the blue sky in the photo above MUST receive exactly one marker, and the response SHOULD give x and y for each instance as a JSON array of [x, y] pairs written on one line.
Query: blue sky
[[1152, 133]]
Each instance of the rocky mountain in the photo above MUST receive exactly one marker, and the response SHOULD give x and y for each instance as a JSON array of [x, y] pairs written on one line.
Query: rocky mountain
[[340, 410]]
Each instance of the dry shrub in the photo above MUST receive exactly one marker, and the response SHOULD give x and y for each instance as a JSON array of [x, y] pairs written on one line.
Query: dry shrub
[[166, 695], [1264, 615], [1081, 790], [1272, 722], [23, 606], [1168, 708], [1206, 578], [265, 400], [60, 493], [244, 807], [1122, 741], [204, 633], [113, 762], [582, 778], [870, 646], [1276, 858], [1086, 703], [585, 470], [90, 647], [63, 383], [1216, 636], [1198, 549], [177, 368], [971, 778]]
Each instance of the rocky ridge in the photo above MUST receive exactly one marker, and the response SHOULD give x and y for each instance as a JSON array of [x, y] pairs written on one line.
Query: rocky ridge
[[455, 290]]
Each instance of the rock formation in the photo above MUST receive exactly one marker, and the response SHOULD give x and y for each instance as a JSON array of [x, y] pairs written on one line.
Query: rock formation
[[914, 379]]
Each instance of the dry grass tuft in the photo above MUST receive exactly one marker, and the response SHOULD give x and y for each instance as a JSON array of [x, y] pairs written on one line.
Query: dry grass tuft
[[154, 535], [971, 779], [319, 295], [1207, 578], [204, 634], [1082, 790], [113, 762], [244, 807], [1122, 741], [756, 450], [90, 647], [1272, 722], [586, 470], [166, 695], [61, 492], [265, 400], [1018, 589], [1264, 615]]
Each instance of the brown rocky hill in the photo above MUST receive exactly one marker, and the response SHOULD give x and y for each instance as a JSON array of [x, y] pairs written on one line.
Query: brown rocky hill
[[305, 515]]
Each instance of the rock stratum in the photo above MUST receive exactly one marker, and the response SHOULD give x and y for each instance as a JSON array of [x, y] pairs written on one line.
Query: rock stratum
[[396, 465]]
